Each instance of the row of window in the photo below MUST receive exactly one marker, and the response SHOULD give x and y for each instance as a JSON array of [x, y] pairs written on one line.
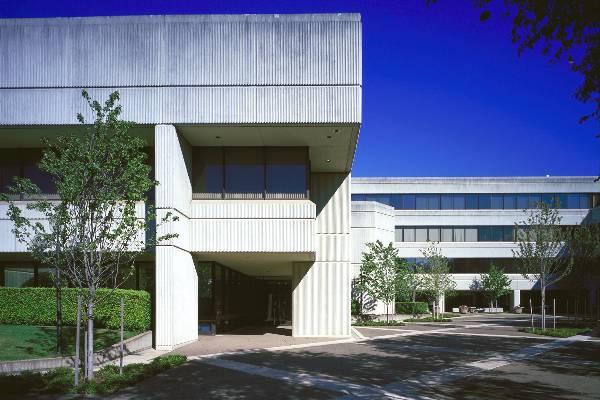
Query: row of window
[[500, 233], [475, 265], [23, 163], [250, 172], [28, 274], [483, 201]]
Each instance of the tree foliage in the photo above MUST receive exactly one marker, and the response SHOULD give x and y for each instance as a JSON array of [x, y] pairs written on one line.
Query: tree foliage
[[545, 249], [96, 229], [495, 283], [382, 273]]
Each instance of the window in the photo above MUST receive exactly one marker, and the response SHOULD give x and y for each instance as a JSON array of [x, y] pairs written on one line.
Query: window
[[459, 201], [572, 201], [485, 201], [562, 200], [584, 201], [484, 234], [459, 234], [471, 202], [496, 233], [398, 235], [508, 234], [420, 234], [447, 202], [548, 199], [19, 275], [446, 235], [470, 234], [252, 173], [244, 173], [408, 201], [409, 234], [497, 201], [434, 234], [421, 201], [287, 172], [534, 200], [207, 172], [510, 201], [522, 201]]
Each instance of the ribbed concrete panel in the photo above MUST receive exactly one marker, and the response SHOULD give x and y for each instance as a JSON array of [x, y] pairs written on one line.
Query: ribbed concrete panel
[[208, 50], [253, 235], [459, 249], [371, 221], [517, 282], [172, 169], [243, 209], [331, 194], [321, 290], [176, 298], [321, 299], [9, 242], [189, 105], [176, 279]]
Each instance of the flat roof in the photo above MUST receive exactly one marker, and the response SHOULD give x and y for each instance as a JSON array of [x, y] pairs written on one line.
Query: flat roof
[[186, 18], [476, 179]]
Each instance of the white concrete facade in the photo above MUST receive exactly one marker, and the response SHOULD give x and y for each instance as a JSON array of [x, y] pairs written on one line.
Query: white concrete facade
[[374, 220], [222, 81]]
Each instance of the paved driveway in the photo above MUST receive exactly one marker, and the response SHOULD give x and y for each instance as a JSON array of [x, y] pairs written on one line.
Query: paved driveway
[[471, 358]]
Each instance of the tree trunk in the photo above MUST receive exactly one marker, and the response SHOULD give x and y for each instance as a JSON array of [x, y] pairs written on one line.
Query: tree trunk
[[89, 355], [543, 305], [58, 283]]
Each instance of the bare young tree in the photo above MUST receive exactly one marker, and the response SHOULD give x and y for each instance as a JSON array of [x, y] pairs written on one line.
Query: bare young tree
[[543, 249], [96, 229], [437, 281]]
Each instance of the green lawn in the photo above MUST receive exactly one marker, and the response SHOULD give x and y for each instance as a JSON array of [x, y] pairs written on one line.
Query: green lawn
[[558, 332], [20, 342]]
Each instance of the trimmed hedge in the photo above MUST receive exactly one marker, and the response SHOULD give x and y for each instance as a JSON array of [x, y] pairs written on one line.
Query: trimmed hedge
[[418, 307], [37, 306]]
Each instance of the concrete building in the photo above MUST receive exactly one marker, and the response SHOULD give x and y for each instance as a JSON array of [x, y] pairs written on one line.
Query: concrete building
[[252, 123], [473, 219]]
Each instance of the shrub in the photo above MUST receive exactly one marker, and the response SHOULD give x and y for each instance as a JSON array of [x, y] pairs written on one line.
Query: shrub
[[106, 380], [37, 306], [418, 307], [378, 323], [355, 307]]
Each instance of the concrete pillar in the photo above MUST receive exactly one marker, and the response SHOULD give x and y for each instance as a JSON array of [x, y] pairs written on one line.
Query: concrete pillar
[[321, 289], [176, 293], [441, 301], [515, 299]]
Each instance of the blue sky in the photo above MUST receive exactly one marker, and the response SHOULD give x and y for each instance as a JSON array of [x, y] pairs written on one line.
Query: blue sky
[[443, 94]]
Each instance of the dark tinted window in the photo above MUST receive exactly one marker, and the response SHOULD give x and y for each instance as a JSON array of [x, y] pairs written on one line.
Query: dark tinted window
[[572, 200], [447, 201], [485, 201], [584, 201], [286, 171], [548, 199], [522, 201], [207, 170], [534, 200], [484, 233], [562, 200], [244, 172], [471, 202], [459, 202], [497, 202], [508, 235], [408, 201], [510, 201], [496, 233]]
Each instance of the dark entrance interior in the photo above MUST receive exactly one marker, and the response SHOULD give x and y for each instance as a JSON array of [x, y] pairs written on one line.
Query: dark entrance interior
[[229, 299]]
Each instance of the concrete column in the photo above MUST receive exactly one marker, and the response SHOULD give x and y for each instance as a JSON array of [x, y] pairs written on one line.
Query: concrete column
[[515, 299], [441, 301], [176, 293], [321, 289]]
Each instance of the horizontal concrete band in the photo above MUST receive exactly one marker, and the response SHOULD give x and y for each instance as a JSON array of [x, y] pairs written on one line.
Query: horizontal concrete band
[[189, 105]]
